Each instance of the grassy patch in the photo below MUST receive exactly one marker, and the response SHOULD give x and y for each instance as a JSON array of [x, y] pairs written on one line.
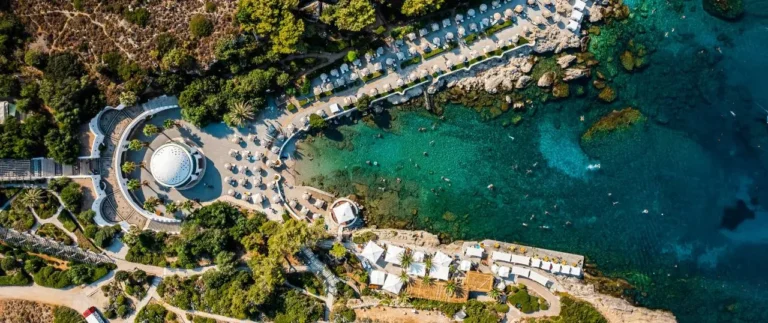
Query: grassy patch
[[66, 220], [438, 51], [304, 102], [291, 107], [413, 61], [470, 39], [372, 76], [573, 310], [498, 27], [49, 230]]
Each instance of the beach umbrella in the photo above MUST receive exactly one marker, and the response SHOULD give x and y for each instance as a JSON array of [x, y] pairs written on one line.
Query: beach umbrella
[[546, 14], [412, 50], [539, 20], [373, 92], [471, 12], [519, 9], [257, 180], [344, 68], [509, 13], [353, 77], [400, 82], [495, 4], [461, 31], [485, 22], [306, 196], [323, 77], [380, 51], [448, 63], [328, 86], [317, 91], [545, 2], [228, 180], [276, 198], [436, 41], [435, 69], [423, 73], [411, 36], [413, 76], [334, 73], [435, 27], [473, 27], [462, 58], [459, 18], [497, 16], [387, 87], [483, 8], [231, 192], [292, 203], [340, 82], [448, 36]]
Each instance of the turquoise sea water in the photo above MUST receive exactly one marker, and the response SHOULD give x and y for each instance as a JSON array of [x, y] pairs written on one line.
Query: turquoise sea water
[[697, 165]]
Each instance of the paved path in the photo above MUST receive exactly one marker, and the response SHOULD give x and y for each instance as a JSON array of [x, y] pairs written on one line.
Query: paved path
[[554, 301]]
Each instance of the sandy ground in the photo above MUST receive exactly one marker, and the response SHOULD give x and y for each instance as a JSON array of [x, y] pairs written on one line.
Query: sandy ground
[[14, 310], [401, 315], [85, 138]]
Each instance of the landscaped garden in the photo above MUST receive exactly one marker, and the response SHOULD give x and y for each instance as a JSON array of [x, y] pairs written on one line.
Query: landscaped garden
[[49, 230]]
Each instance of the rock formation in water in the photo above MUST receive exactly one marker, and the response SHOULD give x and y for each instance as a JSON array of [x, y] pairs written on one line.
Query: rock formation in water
[[724, 9]]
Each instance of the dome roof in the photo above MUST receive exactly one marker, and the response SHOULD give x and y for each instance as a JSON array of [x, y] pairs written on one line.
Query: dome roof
[[171, 164]]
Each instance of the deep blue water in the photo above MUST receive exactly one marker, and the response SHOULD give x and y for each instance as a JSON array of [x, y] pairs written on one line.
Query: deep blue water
[[697, 165]]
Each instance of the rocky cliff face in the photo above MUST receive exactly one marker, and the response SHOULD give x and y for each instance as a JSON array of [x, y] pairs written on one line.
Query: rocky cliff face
[[614, 309]]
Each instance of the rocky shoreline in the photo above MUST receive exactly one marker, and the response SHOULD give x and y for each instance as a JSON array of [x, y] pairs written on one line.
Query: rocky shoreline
[[614, 309]]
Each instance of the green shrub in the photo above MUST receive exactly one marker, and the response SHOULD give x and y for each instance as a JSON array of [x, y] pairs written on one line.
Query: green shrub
[[86, 217], [66, 220], [200, 26], [364, 237], [51, 277], [380, 30], [138, 16], [17, 279], [63, 314], [210, 7], [72, 196]]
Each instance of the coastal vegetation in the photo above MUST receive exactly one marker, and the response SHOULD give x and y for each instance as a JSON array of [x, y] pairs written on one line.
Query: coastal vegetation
[[155, 313], [613, 121], [573, 310]]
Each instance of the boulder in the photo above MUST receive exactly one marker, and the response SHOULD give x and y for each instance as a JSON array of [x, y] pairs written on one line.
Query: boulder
[[547, 79], [522, 82], [724, 9], [565, 61], [526, 67], [608, 94], [575, 73], [628, 60]]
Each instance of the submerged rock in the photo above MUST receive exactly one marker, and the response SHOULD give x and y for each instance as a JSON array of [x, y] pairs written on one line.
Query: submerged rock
[[561, 90], [616, 120], [575, 73], [628, 60], [565, 61], [724, 9], [608, 94]]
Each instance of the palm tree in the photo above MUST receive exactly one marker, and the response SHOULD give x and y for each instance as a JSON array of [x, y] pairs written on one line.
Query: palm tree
[[128, 167], [426, 280], [406, 259], [450, 288], [404, 278], [495, 293], [428, 263], [133, 184], [171, 207], [150, 130], [151, 203], [33, 197], [137, 145], [239, 113], [187, 206], [169, 124]]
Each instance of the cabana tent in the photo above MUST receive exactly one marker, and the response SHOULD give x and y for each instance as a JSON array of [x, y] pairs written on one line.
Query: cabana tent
[[344, 213], [579, 5], [418, 256], [535, 263], [523, 260], [378, 277], [576, 15], [474, 252], [576, 271], [417, 269], [465, 265], [503, 272], [372, 252], [442, 259], [546, 265], [439, 272], [520, 271], [393, 254], [539, 278], [573, 26], [555, 268], [392, 284], [501, 256]]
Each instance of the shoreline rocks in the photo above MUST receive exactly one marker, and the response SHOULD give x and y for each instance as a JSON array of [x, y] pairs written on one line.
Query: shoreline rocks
[[547, 79]]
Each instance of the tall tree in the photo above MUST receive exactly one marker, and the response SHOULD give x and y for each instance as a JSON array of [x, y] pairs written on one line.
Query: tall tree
[[352, 15], [239, 114], [420, 7]]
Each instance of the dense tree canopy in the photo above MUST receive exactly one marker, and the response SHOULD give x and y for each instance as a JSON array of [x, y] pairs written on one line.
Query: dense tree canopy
[[274, 21], [420, 7], [352, 15]]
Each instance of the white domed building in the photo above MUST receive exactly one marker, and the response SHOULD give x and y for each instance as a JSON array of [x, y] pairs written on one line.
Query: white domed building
[[177, 165]]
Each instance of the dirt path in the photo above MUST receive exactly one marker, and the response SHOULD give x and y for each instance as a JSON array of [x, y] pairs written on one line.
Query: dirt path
[[401, 315]]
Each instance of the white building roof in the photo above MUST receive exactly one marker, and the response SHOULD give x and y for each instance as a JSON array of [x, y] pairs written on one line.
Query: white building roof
[[393, 254], [343, 211], [378, 277], [546, 265], [392, 284], [171, 164], [474, 252], [520, 271], [442, 259], [539, 278], [536, 263], [501, 256], [439, 272], [579, 5], [523, 260], [465, 265], [555, 268], [417, 269], [503, 271], [565, 269], [372, 252]]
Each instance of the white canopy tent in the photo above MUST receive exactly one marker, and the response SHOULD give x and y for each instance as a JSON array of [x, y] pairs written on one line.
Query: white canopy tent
[[418, 256], [503, 272], [439, 272], [576, 271], [474, 252], [555, 268], [573, 26], [335, 108], [546, 265], [378, 277], [392, 284], [465, 265], [372, 252], [576, 15], [520, 271], [344, 212], [393, 254], [523, 260], [565, 269], [539, 278], [536, 263], [501, 256], [579, 5], [442, 259]]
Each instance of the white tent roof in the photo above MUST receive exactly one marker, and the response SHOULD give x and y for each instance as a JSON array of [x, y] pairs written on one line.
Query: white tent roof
[[504, 271], [546, 265], [501, 256], [577, 15], [442, 259], [523, 260], [579, 5], [474, 252], [418, 256], [439, 272], [576, 271], [417, 269], [536, 263], [372, 252], [344, 212], [565, 269], [520, 271], [573, 26], [335, 108], [465, 265], [539, 278], [378, 277], [392, 284], [555, 268], [393, 254]]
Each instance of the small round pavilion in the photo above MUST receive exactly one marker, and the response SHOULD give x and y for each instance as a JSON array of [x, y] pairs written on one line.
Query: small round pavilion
[[177, 165], [344, 212]]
